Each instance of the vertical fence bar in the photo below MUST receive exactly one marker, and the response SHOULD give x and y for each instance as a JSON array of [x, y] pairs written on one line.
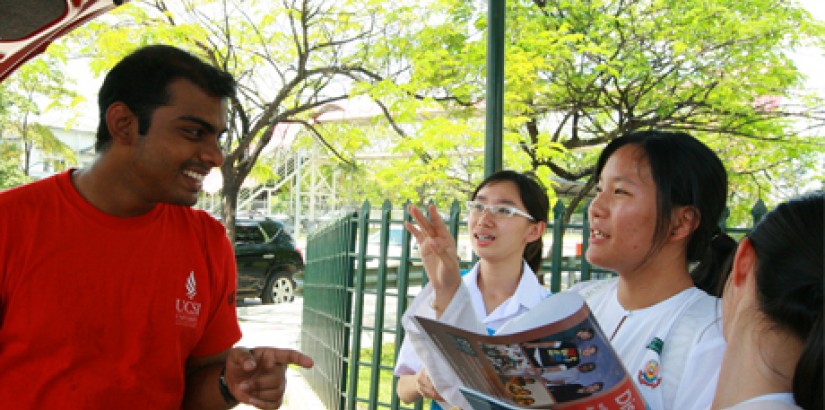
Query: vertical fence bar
[[349, 280], [585, 265], [558, 241], [378, 321], [401, 301], [358, 296], [758, 212], [723, 222], [455, 219]]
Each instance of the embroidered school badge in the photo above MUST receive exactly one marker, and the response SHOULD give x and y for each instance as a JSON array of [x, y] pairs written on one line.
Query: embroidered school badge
[[650, 375]]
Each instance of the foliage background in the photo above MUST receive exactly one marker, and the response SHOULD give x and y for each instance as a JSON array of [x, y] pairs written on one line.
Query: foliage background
[[577, 74]]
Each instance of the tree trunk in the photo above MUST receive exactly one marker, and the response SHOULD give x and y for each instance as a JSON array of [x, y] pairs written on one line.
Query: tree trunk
[[229, 202]]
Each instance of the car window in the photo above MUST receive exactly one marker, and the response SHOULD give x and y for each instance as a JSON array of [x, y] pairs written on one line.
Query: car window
[[395, 236], [272, 228], [248, 234], [393, 240]]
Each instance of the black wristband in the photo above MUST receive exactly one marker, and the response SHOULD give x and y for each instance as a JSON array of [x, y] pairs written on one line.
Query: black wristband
[[227, 395]]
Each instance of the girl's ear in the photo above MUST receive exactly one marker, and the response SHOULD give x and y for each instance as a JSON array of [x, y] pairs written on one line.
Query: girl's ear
[[744, 263], [122, 123], [683, 222], [536, 231]]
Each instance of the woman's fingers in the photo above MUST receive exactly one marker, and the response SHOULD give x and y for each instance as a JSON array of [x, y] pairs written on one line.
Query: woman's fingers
[[424, 224], [425, 386], [414, 231], [436, 244], [439, 227]]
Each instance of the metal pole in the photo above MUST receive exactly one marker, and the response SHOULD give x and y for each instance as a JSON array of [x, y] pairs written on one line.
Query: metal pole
[[495, 86]]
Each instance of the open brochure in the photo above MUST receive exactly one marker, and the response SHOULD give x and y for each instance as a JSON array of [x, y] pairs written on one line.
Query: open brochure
[[553, 357]]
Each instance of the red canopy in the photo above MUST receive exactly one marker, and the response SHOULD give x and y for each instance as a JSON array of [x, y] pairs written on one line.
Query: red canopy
[[28, 27]]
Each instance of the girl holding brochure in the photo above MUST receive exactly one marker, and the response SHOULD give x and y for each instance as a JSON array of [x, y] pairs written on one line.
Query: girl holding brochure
[[507, 217], [772, 308], [660, 197]]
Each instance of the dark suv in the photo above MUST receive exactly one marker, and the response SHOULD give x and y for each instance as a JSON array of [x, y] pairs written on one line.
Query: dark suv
[[267, 260]]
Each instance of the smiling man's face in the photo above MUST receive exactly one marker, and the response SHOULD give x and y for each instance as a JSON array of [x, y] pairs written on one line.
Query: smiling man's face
[[180, 147]]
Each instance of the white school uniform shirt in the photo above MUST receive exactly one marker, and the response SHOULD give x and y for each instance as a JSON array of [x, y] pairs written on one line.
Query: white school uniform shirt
[[465, 310], [672, 350], [773, 401]]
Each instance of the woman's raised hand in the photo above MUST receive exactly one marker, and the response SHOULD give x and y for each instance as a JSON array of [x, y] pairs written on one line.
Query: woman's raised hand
[[438, 252]]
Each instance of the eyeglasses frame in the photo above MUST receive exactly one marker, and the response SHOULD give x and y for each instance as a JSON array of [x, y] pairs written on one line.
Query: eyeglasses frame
[[472, 206]]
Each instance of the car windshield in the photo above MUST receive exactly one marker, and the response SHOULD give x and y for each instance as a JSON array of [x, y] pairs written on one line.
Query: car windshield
[[248, 234], [395, 237], [272, 228]]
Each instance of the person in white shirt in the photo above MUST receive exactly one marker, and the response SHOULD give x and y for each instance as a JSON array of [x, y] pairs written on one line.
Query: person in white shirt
[[772, 313], [659, 199], [507, 217]]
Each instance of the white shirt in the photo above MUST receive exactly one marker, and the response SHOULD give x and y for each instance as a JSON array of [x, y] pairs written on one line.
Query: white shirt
[[773, 401], [681, 374], [464, 310]]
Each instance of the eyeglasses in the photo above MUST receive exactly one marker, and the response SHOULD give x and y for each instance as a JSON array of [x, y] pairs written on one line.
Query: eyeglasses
[[496, 211]]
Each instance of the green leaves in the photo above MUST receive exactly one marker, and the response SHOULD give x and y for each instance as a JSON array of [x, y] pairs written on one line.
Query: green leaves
[[577, 74]]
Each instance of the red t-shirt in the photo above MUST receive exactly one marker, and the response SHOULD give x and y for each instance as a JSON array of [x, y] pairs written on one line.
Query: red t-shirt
[[99, 311]]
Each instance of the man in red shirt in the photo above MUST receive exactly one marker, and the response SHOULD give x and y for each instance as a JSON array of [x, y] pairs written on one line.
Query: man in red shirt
[[113, 290]]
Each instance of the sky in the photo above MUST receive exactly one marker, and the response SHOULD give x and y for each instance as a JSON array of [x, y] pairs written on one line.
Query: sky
[[810, 61]]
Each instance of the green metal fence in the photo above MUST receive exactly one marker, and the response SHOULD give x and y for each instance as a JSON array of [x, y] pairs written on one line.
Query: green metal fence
[[359, 280]]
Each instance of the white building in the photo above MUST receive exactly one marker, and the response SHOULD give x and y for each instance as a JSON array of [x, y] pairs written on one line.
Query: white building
[[82, 142]]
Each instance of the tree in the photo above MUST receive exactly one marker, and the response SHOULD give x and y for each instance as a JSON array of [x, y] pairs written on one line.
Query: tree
[[10, 173], [578, 74], [581, 73], [289, 58], [39, 82]]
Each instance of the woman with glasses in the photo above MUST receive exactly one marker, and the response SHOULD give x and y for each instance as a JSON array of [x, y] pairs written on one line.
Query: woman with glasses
[[507, 216]]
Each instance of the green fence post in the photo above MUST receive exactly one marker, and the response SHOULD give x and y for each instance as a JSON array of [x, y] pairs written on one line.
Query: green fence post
[[558, 241], [358, 296], [758, 212], [723, 221], [380, 290], [455, 219], [401, 304], [585, 266]]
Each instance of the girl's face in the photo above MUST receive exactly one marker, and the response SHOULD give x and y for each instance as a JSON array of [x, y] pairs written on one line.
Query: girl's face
[[623, 215], [500, 237]]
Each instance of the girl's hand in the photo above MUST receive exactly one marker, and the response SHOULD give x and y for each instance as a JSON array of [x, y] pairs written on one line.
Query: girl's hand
[[438, 252], [425, 386]]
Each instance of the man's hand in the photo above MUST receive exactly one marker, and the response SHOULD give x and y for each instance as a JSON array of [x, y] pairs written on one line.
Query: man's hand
[[258, 376]]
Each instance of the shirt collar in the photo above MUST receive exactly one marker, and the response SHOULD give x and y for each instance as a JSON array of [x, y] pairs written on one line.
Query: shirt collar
[[529, 293]]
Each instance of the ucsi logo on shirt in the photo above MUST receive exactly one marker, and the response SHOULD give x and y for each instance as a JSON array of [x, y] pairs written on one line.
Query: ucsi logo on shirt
[[188, 310]]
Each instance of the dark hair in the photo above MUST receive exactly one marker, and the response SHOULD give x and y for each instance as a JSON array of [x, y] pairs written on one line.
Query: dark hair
[[141, 82], [789, 250], [595, 348], [588, 330], [586, 367], [686, 173], [535, 199]]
